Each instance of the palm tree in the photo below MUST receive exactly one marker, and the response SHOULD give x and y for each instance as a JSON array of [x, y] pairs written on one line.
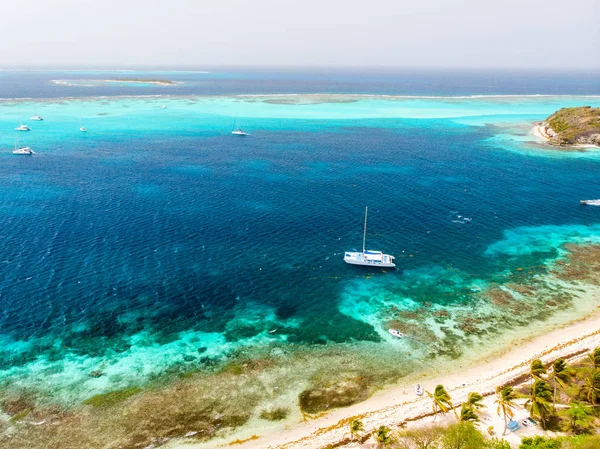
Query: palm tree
[[441, 401], [539, 401], [561, 374], [356, 426], [537, 369], [591, 388], [467, 413], [382, 436], [505, 400], [594, 358], [474, 401]]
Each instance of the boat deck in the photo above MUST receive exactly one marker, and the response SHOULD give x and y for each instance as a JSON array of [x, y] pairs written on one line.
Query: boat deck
[[369, 259]]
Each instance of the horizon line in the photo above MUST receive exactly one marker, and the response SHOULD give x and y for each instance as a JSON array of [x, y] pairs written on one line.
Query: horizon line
[[207, 67]]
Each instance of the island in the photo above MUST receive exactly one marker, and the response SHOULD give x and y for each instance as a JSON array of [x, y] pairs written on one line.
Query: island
[[161, 82], [572, 127]]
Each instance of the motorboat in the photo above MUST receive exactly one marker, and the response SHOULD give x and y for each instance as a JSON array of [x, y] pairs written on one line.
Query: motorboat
[[419, 390], [396, 333], [37, 118], [369, 258], [22, 127], [590, 202]]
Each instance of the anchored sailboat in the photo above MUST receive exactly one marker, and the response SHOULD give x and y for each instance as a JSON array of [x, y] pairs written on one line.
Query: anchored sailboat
[[23, 151], [369, 258], [237, 131]]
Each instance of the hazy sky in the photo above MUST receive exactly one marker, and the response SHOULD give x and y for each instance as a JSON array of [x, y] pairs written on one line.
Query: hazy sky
[[417, 33]]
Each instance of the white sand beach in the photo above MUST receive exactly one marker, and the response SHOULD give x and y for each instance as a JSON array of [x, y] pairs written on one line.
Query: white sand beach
[[541, 132]]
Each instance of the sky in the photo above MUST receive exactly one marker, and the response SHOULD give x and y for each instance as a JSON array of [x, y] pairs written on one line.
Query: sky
[[301, 33]]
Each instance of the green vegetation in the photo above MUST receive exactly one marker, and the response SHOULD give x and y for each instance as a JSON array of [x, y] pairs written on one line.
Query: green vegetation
[[575, 389], [463, 435], [576, 442], [537, 369], [382, 436], [540, 401], [356, 427], [506, 403], [578, 418], [561, 375], [560, 397], [575, 126], [441, 400], [112, 397]]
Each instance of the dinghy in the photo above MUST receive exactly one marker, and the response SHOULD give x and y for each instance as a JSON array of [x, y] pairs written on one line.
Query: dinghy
[[396, 333]]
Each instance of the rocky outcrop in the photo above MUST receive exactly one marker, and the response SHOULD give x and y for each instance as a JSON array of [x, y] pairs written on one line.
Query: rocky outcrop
[[573, 126]]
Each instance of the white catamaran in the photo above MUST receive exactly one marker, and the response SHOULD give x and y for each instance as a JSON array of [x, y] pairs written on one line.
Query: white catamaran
[[23, 151], [369, 257]]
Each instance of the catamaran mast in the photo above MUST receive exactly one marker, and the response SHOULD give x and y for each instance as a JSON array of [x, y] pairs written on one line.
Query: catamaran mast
[[365, 230]]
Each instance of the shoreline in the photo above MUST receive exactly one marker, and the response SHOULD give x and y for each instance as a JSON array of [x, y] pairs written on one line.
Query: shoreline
[[398, 405], [541, 133]]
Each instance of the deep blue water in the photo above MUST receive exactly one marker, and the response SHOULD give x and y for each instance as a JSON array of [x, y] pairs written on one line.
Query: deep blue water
[[106, 236]]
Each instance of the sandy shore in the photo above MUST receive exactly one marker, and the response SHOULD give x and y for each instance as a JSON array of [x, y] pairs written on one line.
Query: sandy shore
[[400, 404], [539, 131]]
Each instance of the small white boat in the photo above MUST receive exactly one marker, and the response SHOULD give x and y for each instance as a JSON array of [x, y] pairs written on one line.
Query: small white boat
[[369, 258], [396, 333], [83, 129], [23, 151], [163, 107], [419, 390], [22, 127], [590, 202], [37, 118]]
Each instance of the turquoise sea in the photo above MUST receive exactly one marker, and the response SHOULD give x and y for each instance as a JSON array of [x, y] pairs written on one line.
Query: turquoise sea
[[158, 243]]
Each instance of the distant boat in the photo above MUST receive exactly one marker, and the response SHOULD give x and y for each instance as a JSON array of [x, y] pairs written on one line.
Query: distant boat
[[37, 118], [237, 131], [22, 127], [396, 333], [23, 151], [369, 257], [590, 202], [83, 129], [19, 150]]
